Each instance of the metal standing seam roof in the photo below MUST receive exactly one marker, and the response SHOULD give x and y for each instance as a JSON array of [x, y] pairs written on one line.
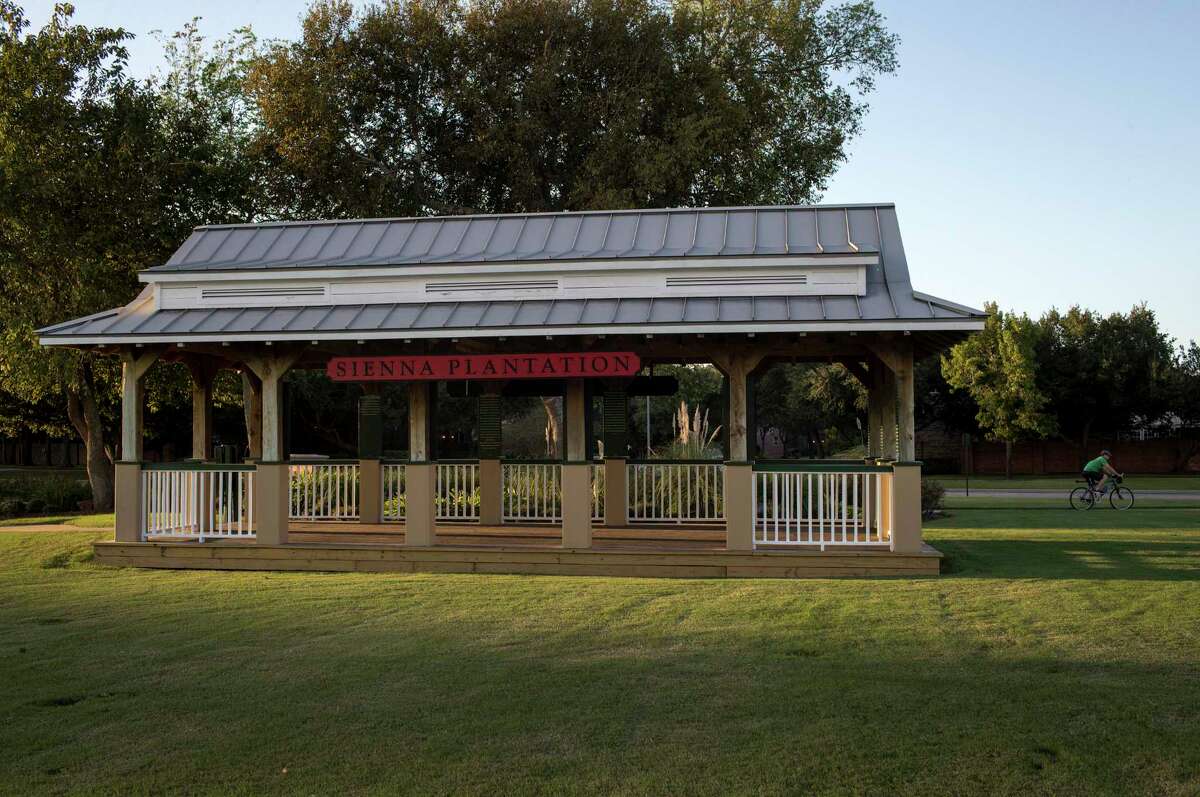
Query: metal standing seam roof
[[889, 301], [592, 235]]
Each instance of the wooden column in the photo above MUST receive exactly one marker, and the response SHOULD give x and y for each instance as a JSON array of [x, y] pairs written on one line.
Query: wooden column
[[875, 377], [905, 514], [576, 471], [272, 486], [491, 510], [420, 474], [739, 471], [887, 413], [370, 453], [127, 486]]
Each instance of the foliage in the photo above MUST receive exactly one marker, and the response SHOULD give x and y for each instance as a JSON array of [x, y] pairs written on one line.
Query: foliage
[[812, 406], [44, 492], [417, 107], [997, 368], [694, 437], [933, 494]]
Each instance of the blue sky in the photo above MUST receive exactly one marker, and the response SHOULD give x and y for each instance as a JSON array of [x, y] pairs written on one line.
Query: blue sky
[[1039, 153]]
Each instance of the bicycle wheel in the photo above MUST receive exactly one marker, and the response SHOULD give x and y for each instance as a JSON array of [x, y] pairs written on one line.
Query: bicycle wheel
[[1082, 499], [1121, 498]]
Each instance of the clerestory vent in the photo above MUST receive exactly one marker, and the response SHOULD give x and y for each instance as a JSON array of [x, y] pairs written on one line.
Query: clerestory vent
[[760, 279], [272, 292], [491, 285]]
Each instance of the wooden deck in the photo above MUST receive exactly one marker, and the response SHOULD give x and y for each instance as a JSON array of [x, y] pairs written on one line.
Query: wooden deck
[[634, 551]]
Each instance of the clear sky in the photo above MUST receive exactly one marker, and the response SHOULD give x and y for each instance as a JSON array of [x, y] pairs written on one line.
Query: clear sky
[[1039, 153]]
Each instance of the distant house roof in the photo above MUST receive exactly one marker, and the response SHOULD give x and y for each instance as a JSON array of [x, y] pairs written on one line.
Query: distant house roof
[[651, 239]]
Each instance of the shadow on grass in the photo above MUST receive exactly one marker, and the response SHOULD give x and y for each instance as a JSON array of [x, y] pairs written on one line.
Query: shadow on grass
[[1083, 559]]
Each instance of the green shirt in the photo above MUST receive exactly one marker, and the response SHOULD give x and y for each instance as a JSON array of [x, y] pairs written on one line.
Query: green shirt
[[1096, 465]]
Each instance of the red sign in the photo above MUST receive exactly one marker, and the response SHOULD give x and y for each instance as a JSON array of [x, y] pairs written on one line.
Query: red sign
[[484, 366]]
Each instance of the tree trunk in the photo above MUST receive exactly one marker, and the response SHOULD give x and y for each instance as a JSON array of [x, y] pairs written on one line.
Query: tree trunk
[[551, 406], [1008, 459], [252, 408], [84, 413]]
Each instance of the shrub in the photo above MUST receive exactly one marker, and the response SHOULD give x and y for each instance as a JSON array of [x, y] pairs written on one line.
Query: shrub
[[932, 494], [10, 507], [54, 492], [35, 506]]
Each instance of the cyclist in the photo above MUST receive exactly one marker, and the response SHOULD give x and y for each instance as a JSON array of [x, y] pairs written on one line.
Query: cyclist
[[1098, 470]]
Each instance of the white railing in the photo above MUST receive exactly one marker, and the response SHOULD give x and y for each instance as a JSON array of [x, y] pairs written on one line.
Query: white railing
[[819, 508], [598, 492], [323, 491], [676, 492], [198, 503], [531, 491], [392, 491], [457, 496]]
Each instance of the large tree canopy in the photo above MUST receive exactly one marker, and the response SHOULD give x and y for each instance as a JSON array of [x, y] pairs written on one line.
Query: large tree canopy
[[506, 106]]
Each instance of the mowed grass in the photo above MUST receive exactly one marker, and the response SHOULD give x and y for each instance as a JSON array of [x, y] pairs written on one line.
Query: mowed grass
[[1185, 482], [101, 521], [1058, 654]]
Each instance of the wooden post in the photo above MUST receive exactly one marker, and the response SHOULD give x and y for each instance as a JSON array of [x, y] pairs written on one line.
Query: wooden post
[[739, 471], [420, 474], [887, 414], [272, 484], [252, 411], [576, 471], [127, 482], [905, 512]]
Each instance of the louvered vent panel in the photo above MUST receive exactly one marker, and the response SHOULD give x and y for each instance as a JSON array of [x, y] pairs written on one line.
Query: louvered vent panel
[[491, 285], [761, 279], [263, 293]]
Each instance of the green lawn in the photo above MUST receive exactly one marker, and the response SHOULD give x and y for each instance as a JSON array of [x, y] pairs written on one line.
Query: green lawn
[[1049, 659], [1065, 483], [104, 521]]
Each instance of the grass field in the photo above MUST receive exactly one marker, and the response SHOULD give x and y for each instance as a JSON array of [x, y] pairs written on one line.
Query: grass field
[[1058, 654], [1066, 483]]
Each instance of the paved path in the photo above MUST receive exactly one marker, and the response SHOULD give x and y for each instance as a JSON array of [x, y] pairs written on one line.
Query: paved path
[[1163, 495], [44, 527]]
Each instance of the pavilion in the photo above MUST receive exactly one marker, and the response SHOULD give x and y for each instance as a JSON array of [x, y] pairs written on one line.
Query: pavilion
[[576, 303]]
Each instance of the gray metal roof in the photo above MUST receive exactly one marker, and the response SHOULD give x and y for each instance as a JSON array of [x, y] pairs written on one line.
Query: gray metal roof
[[889, 303], [606, 235], [448, 318]]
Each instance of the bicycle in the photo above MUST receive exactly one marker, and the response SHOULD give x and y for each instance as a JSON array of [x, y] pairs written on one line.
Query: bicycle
[[1119, 498]]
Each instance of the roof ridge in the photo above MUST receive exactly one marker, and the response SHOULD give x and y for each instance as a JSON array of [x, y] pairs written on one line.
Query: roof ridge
[[541, 214]]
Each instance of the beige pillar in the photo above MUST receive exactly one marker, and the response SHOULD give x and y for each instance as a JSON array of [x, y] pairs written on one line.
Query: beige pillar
[[906, 508], [491, 510], [370, 491], [577, 505], [127, 501], [874, 407], [133, 367], [271, 498], [420, 475], [576, 472], [272, 485], [616, 497], [739, 472], [739, 506], [202, 410]]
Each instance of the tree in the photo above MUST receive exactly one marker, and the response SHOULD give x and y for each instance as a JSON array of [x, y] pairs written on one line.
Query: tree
[[418, 107], [997, 368], [1107, 372], [102, 177], [814, 407]]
